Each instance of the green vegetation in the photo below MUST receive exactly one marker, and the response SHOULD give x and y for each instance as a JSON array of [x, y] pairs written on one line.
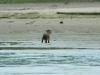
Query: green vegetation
[[16, 46], [10, 43], [43, 48], [32, 1], [46, 16]]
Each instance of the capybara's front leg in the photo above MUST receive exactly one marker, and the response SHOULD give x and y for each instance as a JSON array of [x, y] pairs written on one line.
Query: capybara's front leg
[[45, 41]]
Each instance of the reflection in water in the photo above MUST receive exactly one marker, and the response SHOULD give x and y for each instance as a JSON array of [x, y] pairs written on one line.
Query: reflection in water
[[47, 62]]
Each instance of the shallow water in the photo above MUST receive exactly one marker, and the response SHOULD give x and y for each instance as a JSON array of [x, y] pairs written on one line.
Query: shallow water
[[50, 62]]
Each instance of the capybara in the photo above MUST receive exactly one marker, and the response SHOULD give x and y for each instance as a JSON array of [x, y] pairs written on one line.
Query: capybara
[[46, 36]]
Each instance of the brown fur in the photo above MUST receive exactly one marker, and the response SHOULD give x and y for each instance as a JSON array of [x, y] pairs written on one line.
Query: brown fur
[[46, 36]]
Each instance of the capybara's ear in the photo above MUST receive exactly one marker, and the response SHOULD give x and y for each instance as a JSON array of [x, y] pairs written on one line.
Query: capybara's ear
[[47, 30]]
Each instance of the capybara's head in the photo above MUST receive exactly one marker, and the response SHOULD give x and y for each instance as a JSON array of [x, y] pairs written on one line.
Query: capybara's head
[[48, 31]]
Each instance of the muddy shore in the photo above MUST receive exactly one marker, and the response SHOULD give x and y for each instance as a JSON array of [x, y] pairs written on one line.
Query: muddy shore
[[85, 31]]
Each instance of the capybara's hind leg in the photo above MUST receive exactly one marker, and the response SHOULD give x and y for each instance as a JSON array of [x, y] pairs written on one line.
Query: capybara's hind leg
[[42, 40], [48, 41]]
